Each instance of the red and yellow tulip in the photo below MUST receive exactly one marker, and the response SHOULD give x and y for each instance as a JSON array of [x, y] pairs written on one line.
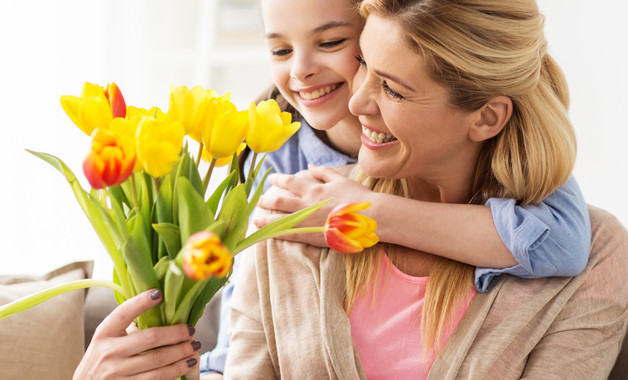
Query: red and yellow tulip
[[205, 256], [96, 106], [349, 232], [112, 155]]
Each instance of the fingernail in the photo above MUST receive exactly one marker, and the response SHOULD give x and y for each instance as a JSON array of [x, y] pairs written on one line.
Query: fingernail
[[191, 330], [191, 362], [196, 345], [155, 295]]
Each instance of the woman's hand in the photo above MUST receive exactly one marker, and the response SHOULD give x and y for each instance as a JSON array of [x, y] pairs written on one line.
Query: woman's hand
[[292, 193], [164, 352]]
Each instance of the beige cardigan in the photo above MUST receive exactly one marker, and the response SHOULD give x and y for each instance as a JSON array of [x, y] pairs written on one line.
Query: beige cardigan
[[288, 320]]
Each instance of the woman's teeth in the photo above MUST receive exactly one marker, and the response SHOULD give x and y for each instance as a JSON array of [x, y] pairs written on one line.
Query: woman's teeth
[[377, 137], [318, 93]]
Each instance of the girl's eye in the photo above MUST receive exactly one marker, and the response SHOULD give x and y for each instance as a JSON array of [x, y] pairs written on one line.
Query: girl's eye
[[390, 92], [333, 43], [360, 61], [281, 52]]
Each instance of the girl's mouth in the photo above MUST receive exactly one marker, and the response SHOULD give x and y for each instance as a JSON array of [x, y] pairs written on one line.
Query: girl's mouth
[[319, 93]]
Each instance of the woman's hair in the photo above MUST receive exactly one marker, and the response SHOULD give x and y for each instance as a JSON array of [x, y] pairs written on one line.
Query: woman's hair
[[479, 49]]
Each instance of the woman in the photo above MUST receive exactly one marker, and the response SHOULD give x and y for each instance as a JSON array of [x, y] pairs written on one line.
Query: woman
[[471, 106]]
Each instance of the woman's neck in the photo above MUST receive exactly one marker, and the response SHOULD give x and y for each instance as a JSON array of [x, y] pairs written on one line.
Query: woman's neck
[[343, 137]]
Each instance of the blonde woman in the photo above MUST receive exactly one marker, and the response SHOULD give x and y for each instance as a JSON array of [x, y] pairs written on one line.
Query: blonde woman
[[471, 107]]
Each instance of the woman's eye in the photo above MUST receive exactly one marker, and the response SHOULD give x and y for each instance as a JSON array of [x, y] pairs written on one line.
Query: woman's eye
[[333, 43], [391, 92], [280, 52], [360, 61]]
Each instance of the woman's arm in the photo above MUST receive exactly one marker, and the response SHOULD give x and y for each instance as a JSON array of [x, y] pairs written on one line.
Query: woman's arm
[[547, 239], [155, 353]]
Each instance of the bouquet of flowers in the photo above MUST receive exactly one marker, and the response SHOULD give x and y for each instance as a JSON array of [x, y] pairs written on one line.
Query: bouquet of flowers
[[149, 202]]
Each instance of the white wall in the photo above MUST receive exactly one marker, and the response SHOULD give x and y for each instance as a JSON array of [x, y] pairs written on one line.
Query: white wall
[[49, 48]]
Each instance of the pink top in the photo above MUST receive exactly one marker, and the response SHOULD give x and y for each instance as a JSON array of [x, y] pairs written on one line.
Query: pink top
[[387, 333]]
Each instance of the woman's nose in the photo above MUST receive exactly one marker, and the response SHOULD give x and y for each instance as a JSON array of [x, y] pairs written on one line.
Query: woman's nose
[[304, 67], [361, 102]]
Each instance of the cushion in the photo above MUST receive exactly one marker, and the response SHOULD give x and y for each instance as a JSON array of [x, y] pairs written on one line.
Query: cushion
[[45, 341]]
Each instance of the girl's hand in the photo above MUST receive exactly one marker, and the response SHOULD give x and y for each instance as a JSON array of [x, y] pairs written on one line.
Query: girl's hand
[[292, 193], [156, 353]]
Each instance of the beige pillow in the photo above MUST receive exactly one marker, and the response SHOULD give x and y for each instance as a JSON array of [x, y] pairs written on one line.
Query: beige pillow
[[46, 341]]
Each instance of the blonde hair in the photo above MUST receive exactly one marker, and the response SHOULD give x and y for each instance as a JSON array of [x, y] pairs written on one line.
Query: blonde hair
[[479, 49]]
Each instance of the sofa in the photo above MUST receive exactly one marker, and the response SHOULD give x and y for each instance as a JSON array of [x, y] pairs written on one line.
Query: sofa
[[47, 341]]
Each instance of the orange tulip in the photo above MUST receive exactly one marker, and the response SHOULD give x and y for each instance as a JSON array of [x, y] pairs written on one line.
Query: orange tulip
[[116, 100], [349, 232], [112, 155], [205, 256]]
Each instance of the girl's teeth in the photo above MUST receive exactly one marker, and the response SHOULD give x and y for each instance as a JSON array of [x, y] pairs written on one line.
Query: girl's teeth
[[377, 137], [318, 93]]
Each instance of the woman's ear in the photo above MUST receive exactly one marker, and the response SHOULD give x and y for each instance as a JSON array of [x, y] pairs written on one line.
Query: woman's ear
[[491, 119]]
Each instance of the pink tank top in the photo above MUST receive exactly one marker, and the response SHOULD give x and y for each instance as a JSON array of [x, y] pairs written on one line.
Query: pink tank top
[[387, 333]]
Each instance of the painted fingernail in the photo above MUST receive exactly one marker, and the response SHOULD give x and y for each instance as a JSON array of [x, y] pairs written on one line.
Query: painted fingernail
[[191, 330], [196, 345], [191, 362], [155, 295]]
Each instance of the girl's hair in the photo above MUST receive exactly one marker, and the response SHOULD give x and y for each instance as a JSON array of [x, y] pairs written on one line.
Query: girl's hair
[[479, 49]]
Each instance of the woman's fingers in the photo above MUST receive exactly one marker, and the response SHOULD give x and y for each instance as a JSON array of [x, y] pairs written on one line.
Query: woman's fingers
[[171, 371], [165, 356], [154, 337], [122, 316], [325, 174]]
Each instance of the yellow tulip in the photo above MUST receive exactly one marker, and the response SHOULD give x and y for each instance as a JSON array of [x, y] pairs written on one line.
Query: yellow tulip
[[189, 106], [135, 112], [223, 138], [159, 143], [215, 106], [269, 128]]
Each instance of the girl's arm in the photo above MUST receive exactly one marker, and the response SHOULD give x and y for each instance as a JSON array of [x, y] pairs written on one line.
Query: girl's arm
[[552, 238]]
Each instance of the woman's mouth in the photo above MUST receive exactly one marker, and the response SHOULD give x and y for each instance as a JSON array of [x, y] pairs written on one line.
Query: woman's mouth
[[319, 92], [377, 137]]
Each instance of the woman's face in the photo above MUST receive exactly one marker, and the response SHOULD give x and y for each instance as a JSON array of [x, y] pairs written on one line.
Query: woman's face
[[409, 129], [313, 45]]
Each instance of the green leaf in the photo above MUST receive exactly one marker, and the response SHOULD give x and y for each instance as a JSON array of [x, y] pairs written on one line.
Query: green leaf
[[99, 218], [36, 298], [161, 268], [278, 227], [164, 201], [227, 183], [194, 214], [208, 291], [171, 236], [172, 291], [233, 214]]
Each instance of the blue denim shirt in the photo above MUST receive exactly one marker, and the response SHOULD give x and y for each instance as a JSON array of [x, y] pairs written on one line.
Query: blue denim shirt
[[552, 238]]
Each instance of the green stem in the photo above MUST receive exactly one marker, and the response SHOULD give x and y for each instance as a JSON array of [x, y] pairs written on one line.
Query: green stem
[[291, 231], [209, 174], [36, 298], [200, 154], [156, 184], [252, 168]]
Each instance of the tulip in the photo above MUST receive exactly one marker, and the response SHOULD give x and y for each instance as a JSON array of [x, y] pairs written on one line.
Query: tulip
[[112, 155], [205, 256], [95, 108], [189, 106], [159, 144], [135, 112], [269, 127], [349, 232], [225, 136]]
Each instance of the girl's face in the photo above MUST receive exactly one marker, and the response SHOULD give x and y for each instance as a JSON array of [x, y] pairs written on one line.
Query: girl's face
[[313, 45], [409, 128]]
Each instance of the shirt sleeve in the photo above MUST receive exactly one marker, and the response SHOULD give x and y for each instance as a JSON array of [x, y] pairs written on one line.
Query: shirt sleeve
[[552, 238]]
